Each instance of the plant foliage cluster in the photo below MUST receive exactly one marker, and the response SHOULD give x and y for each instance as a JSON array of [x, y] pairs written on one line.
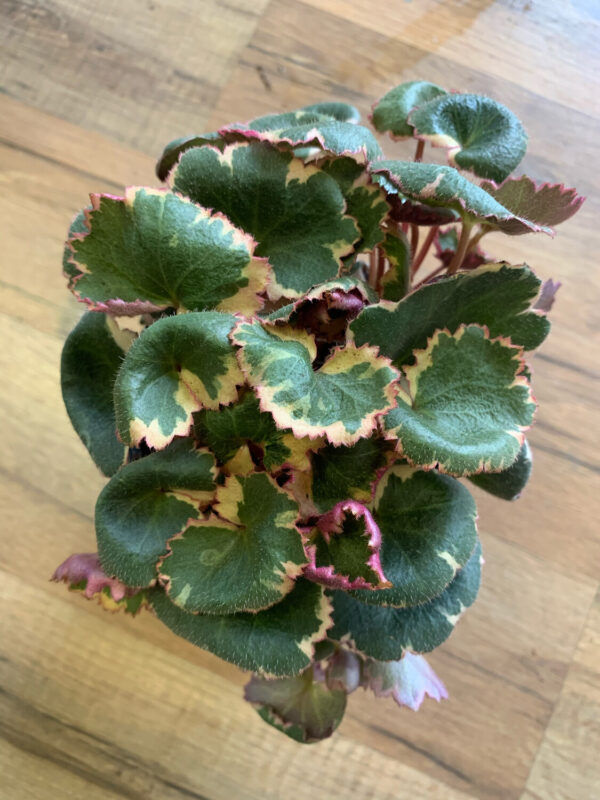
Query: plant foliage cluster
[[283, 405]]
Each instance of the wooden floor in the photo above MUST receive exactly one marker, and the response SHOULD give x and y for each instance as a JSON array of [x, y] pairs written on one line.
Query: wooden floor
[[97, 706]]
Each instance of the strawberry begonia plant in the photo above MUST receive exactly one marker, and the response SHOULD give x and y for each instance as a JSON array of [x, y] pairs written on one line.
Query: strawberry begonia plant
[[283, 405]]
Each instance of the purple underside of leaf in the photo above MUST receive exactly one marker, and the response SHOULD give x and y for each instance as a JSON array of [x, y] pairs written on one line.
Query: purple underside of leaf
[[331, 524], [86, 567], [547, 295], [408, 681]]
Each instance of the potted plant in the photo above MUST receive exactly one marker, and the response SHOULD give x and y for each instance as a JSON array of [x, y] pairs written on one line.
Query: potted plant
[[283, 404]]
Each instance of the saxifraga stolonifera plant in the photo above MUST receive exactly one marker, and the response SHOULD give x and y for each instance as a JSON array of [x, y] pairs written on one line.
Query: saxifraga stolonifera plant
[[284, 406]]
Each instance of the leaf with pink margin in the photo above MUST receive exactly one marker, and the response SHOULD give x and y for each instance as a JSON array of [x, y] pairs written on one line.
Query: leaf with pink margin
[[408, 680], [83, 572], [546, 204], [346, 552]]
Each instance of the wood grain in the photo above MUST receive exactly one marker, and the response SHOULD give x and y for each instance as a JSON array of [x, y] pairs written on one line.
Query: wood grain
[[101, 706]]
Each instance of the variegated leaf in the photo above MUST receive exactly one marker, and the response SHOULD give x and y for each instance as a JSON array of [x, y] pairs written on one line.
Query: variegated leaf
[[390, 114], [244, 559], [278, 641], [396, 281], [407, 681], [341, 473], [480, 134], [508, 484], [153, 250], [146, 503], [345, 553], [174, 149], [438, 185], [545, 204], [385, 633], [498, 296], [295, 212], [341, 400], [343, 112], [466, 406], [428, 532], [179, 365], [90, 360], [303, 708]]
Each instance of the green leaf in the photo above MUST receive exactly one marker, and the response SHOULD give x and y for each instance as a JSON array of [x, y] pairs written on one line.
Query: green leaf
[[467, 404], [365, 201], [90, 361], [278, 641], [341, 473], [428, 532], [480, 134], [396, 281], [343, 112], [437, 185], [152, 250], [296, 212], [146, 503], [391, 112], [174, 149], [546, 204], [498, 296], [385, 633], [177, 366], [509, 483], [301, 707], [341, 400], [245, 559]]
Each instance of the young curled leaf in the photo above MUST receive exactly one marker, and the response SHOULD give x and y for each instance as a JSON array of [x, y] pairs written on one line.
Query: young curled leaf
[[443, 419], [407, 681], [346, 551], [152, 250], [341, 400], [179, 365], [391, 113], [304, 707], [244, 559]]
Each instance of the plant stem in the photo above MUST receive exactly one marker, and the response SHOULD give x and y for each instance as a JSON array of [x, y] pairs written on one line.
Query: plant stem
[[424, 250], [380, 269], [414, 239], [372, 280], [463, 244], [419, 151]]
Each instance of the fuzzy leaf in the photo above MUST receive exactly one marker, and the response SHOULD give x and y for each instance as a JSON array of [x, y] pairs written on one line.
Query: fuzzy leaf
[[346, 552], [341, 473], [385, 633], [148, 502], [396, 281], [296, 212], [341, 400], [407, 680], [174, 149], [495, 295], [179, 365], [437, 185], [278, 641], [365, 201], [508, 484], [428, 532], [245, 559], [153, 249], [305, 128], [446, 418], [391, 112], [545, 204], [343, 112], [480, 134], [90, 361], [304, 709]]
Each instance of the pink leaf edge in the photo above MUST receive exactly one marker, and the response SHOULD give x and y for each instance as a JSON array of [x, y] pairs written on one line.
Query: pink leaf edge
[[86, 567]]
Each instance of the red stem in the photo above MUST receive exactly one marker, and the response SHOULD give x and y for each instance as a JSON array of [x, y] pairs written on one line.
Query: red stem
[[419, 151], [424, 250]]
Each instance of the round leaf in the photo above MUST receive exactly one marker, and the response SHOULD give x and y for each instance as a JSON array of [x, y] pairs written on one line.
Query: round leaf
[[174, 149], [343, 112], [428, 532], [466, 406], [480, 134], [295, 212], [146, 503], [278, 641], [244, 560], [509, 483], [391, 112], [177, 366]]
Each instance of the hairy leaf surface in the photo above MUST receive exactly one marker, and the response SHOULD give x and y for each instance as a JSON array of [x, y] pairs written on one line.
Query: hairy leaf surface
[[390, 114], [396, 281], [174, 149], [545, 204], [508, 484]]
